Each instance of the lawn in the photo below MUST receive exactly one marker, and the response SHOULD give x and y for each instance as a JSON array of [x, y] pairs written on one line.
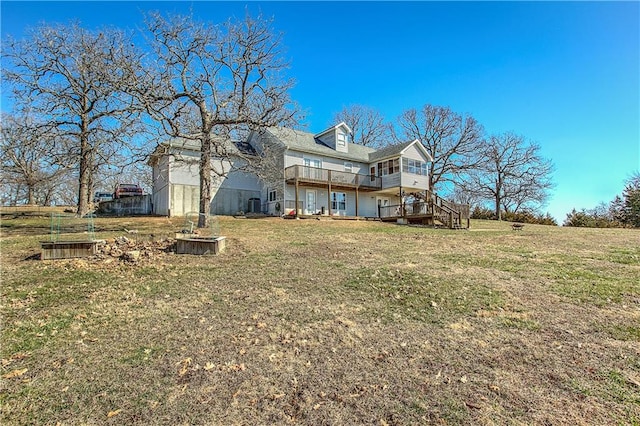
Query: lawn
[[324, 322]]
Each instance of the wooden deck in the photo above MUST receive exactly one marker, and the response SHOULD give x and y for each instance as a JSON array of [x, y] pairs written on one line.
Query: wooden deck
[[435, 212], [322, 178]]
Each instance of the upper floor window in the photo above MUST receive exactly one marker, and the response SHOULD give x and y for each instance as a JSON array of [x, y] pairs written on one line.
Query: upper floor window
[[416, 167], [348, 167], [342, 139], [388, 167], [312, 162]]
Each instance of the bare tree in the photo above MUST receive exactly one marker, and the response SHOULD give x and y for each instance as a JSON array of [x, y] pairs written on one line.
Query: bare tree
[[367, 125], [453, 140], [511, 173], [72, 79], [208, 82], [27, 160]]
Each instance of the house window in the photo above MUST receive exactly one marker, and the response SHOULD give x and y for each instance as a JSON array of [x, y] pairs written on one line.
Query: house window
[[373, 174], [416, 167], [348, 167], [272, 195], [342, 139], [311, 162], [338, 201], [389, 167]]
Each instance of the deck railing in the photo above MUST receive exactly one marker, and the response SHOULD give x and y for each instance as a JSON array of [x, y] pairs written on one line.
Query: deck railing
[[335, 177], [452, 215], [390, 211]]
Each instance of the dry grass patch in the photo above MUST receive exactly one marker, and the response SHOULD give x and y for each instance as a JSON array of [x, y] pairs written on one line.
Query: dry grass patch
[[320, 322]]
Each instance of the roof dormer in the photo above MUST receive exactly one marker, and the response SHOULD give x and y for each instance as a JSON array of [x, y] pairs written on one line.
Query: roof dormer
[[336, 137]]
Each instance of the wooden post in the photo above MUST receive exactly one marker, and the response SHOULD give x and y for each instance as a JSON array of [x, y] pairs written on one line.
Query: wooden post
[[356, 201], [296, 201], [329, 191]]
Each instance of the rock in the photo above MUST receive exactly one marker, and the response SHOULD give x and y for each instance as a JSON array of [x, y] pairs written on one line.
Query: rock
[[122, 240], [132, 255]]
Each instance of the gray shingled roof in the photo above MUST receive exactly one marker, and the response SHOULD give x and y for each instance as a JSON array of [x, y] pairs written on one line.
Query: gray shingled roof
[[297, 140], [388, 151]]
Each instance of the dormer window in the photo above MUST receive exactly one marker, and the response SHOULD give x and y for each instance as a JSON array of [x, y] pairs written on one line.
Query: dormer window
[[342, 139], [336, 137]]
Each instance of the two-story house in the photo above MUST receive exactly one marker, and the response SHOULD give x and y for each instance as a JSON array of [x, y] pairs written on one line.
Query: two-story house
[[317, 174], [325, 174]]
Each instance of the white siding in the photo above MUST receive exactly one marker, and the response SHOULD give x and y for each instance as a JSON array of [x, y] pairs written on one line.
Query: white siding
[[391, 181], [161, 186], [410, 180], [231, 195], [184, 199], [416, 182], [177, 186], [290, 195], [329, 139], [185, 169], [415, 153], [367, 205]]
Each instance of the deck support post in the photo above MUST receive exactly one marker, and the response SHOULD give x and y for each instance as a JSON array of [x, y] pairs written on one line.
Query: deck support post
[[329, 192], [357, 196], [296, 200]]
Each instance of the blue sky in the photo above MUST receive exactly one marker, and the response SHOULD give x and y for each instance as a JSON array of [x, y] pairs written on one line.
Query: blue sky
[[566, 75]]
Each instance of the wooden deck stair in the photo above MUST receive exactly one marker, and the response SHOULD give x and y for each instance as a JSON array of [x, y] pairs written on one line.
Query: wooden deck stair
[[434, 211]]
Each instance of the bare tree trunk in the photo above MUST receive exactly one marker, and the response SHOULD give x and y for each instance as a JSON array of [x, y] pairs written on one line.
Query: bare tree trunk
[[90, 181], [205, 181], [15, 195], [498, 198], [85, 172], [47, 197], [31, 195]]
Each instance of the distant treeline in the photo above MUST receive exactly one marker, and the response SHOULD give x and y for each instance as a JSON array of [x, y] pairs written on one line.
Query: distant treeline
[[622, 212], [525, 216]]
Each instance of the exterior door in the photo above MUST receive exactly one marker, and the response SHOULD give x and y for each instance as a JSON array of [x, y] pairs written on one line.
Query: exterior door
[[383, 202], [311, 201]]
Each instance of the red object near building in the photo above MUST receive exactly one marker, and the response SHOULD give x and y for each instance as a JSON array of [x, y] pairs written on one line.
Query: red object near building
[[127, 190]]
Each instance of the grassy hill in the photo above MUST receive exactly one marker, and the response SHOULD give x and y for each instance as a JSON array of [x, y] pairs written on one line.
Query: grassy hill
[[324, 322]]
